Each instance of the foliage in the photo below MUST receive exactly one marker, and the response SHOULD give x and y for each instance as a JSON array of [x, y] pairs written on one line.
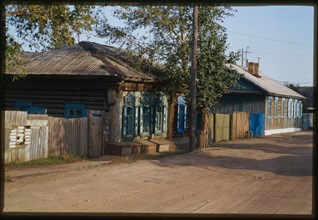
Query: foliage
[[14, 57], [168, 41], [306, 91], [49, 26], [43, 27]]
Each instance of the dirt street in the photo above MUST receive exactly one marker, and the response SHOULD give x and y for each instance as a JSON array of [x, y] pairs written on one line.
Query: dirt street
[[270, 175]]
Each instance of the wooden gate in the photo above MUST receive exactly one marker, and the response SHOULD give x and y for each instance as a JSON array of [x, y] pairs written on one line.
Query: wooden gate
[[95, 136], [76, 136], [222, 127], [240, 124]]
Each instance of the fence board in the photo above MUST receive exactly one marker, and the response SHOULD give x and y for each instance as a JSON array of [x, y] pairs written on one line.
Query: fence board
[[15, 118], [95, 136], [51, 136]]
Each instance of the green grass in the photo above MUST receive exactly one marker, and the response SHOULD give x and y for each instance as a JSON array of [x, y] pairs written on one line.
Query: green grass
[[66, 158], [51, 160]]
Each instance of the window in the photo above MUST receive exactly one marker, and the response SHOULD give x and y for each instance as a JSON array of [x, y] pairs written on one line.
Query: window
[[182, 114], [269, 107], [290, 108], [22, 106], [147, 114], [295, 108], [75, 110], [145, 119], [282, 114], [129, 117], [152, 114], [275, 107], [160, 115], [300, 109], [159, 118], [74, 113], [28, 107]]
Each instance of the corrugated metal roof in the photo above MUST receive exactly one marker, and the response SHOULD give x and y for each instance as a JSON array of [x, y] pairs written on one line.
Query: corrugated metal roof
[[85, 58], [271, 86]]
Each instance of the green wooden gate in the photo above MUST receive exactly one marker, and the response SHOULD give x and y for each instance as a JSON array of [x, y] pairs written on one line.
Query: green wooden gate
[[222, 127]]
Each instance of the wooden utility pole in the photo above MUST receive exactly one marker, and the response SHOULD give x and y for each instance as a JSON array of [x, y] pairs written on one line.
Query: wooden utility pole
[[193, 78]]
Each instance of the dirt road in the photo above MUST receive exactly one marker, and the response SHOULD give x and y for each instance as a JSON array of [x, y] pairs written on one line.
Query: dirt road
[[271, 175]]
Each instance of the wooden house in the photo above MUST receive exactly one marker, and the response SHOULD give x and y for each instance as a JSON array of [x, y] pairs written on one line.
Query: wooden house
[[273, 107], [91, 79]]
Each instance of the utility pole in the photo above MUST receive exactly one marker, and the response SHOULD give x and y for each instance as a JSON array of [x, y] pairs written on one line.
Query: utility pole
[[193, 78], [246, 52], [242, 56]]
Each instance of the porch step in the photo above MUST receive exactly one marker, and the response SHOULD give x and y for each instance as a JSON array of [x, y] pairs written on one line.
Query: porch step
[[164, 145], [122, 149], [152, 146], [147, 147]]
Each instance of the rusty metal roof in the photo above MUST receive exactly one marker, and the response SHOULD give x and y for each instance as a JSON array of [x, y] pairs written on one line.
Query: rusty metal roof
[[271, 86], [84, 58]]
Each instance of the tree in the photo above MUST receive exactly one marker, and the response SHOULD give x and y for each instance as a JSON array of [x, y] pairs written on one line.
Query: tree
[[168, 42], [44, 27]]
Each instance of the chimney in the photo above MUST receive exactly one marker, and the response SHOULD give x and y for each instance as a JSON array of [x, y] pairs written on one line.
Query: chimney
[[253, 69]]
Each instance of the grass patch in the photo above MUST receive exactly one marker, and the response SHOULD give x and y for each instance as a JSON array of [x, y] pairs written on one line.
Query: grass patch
[[66, 158]]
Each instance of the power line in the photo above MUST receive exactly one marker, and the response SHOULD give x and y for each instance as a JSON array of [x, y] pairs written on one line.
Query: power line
[[269, 39]]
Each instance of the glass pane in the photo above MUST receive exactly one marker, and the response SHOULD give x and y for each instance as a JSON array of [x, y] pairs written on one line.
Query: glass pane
[[159, 115], [145, 118], [130, 121], [181, 116]]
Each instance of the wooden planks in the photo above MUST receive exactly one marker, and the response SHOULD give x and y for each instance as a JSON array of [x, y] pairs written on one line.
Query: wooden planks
[[95, 136], [67, 136], [29, 137], [240, 124], [15, 118], [222, 127], [25, 139]]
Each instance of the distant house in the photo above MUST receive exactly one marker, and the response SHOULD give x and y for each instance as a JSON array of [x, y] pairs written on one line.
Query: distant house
[[273, 107], [91, 79]]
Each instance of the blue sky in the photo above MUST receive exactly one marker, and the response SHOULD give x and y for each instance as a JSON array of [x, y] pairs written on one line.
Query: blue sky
[[280, 36]]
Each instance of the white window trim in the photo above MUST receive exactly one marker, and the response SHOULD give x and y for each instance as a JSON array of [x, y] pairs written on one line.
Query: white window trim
[[269, 110], [276, 107]]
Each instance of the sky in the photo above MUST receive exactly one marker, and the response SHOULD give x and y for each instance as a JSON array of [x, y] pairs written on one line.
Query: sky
[[280, 38]]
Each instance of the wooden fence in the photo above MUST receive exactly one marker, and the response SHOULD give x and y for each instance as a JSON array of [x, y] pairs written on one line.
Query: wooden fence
[[67, 136], [26, 136], [29, 137], [222, 127], [225, 127]]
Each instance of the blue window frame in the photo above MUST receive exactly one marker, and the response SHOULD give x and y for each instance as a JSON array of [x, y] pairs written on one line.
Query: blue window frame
[[129, 112], [28, 107], [22, 106], [182, 115], [73, 110]]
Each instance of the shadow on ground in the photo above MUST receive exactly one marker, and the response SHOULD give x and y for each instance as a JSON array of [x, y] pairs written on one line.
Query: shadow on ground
[[294, 156]]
